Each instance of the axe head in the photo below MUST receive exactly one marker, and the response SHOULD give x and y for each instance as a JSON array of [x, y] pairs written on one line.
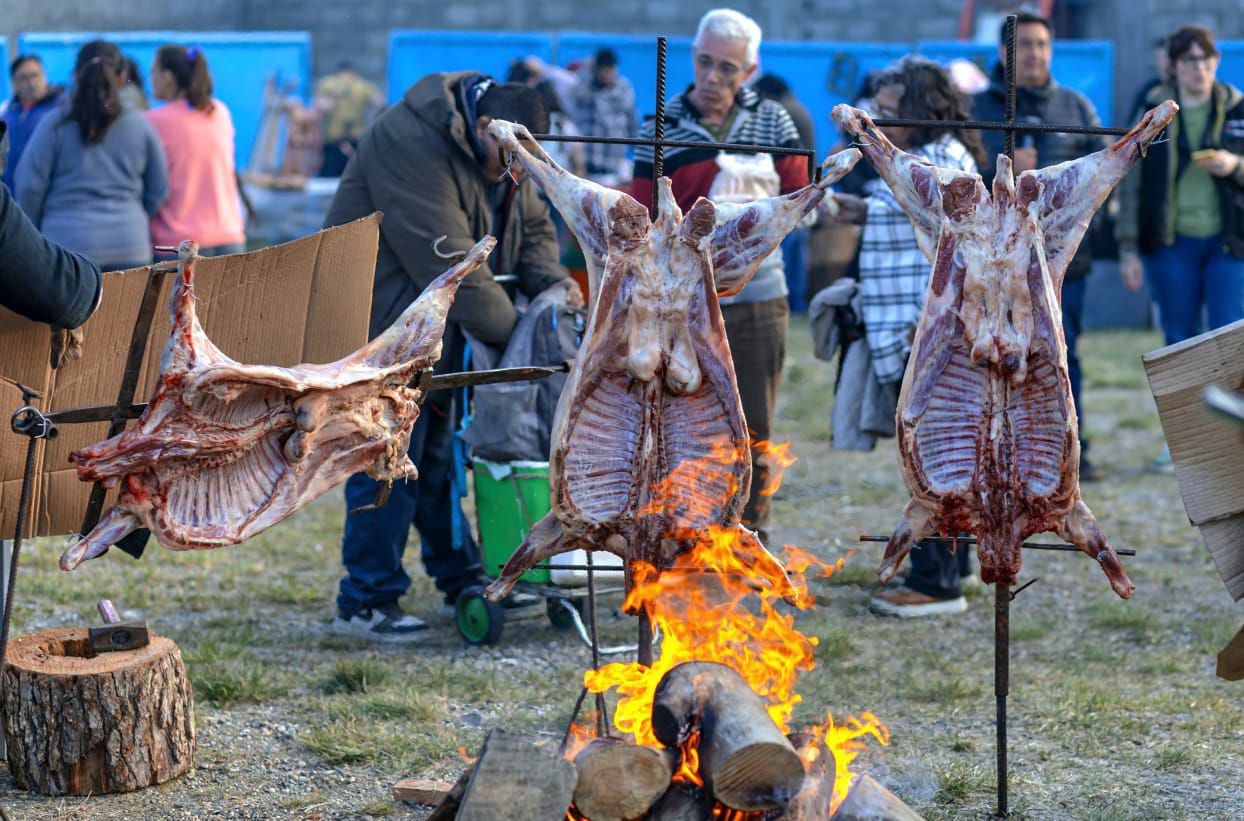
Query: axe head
[[123, 635]]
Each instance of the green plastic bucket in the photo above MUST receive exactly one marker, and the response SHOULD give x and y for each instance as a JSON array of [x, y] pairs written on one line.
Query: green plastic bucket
[[510, 497]]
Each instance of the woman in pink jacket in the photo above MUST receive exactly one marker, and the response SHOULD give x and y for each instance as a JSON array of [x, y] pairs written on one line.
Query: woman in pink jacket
[[197, 133]]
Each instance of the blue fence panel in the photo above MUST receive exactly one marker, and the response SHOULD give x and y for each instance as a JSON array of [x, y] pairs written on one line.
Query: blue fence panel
[[5, 90], [240, 64], [637, 61], [416, 53], [1085, 65], [1231, 69], [824, 74]]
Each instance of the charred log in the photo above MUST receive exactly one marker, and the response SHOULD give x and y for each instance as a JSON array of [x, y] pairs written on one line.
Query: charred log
[[869, 801], [814, 800], [745, 760], [683, 801], [619, 780]]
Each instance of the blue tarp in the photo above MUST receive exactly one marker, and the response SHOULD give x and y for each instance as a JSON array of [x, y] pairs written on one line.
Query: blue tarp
[[416, 53], [1085, 65], [1232, 68], [240, 64], [5, 89]]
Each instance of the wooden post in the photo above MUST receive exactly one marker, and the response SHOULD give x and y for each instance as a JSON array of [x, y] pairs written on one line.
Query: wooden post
[[745, 761], [78, 725], [619, 780]]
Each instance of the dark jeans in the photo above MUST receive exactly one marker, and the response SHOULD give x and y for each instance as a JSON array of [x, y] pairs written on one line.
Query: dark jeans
[[374, 542], [757, 335], [795, 260], [1190, 274], [335, 158], [937, 572], [1073, 324]]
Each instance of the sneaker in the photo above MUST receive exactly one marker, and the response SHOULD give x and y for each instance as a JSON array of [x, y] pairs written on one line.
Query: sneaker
[[1088, 471], [971, 582], [907, 603], [387, 623]]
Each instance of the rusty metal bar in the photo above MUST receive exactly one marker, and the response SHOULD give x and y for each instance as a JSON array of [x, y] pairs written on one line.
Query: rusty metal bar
[[1060, 547], [660, 143]]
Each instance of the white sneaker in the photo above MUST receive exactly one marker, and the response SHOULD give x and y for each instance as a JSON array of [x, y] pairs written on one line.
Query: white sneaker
[[388, 623], [907, 603]]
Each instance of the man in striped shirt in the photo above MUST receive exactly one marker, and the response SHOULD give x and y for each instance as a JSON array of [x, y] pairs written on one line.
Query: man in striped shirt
[[718, 108]]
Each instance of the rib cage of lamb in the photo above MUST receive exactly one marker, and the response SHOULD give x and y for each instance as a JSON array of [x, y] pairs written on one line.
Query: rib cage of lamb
[[649, 441], [223, 451], [987, 431]]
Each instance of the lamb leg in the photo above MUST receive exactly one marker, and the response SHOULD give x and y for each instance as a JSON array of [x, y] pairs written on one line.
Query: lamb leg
[[1080, 528], [545, 540], [917, 523], [115, 526]]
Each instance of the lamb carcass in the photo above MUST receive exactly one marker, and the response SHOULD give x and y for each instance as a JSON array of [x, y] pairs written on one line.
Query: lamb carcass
[[649, 442], [224, 451], [987, 431]]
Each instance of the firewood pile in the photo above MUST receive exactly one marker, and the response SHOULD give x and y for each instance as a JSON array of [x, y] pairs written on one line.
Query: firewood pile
[[723, 758]]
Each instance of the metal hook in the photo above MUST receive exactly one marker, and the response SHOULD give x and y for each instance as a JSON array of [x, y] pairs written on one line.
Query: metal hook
[[1022, 588], [455, 258]]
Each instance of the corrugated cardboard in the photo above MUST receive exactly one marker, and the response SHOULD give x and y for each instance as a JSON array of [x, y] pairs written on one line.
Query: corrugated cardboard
[[304, 301], [1208, 451]]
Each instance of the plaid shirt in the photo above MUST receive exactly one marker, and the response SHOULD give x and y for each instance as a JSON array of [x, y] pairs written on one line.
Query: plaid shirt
[[894, 274], [605, 111]]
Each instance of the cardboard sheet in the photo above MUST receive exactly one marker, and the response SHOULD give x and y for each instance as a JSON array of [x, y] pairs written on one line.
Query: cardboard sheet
[[1208, 451], [303, 301]]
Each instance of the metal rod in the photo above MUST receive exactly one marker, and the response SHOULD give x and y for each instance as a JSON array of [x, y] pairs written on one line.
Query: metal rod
[[658, 147], [993, 125], [442, 382], [1009, 134], [643, 653], [602, 726], [1063, 547], [663, 143], [1001, 681]]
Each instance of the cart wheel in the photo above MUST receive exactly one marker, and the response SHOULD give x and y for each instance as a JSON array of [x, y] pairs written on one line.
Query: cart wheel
[[479, 620], [560, 617]]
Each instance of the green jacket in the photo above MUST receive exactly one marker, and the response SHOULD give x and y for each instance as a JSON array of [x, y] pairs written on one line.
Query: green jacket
[[1146, 218], [416, 164]]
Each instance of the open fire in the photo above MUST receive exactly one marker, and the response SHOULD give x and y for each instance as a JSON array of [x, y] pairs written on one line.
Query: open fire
[[724, 601]]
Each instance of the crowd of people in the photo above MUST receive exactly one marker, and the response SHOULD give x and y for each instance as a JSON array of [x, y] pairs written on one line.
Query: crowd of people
[[104, 180]]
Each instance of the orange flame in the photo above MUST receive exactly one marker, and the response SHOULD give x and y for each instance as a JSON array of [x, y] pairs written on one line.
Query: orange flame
[[721, 601], [690, 769], [779, 458], [843, 740], [578, 738]]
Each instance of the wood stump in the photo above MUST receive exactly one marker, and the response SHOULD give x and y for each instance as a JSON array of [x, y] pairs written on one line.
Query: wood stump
[[869, 801], [619, 780], [78, 725]]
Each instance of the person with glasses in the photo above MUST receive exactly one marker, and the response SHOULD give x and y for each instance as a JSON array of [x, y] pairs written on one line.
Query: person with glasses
[[1040, 99], [718, 107], [1183, 212]]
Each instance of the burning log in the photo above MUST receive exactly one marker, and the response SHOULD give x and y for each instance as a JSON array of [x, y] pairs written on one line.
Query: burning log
[[815, 799], [683, 801], [620, 780], [744, 759], [869, 801]]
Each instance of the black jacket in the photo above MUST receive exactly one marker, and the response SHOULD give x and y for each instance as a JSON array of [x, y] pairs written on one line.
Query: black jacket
[[417, 165], [1146, 198], [39, 279], [1053, 104]]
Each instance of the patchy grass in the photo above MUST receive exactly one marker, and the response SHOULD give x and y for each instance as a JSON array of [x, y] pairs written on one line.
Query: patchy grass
[[1114, 709]]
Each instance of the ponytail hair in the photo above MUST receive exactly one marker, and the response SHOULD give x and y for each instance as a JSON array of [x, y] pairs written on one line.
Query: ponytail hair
[[98, 74], [189, 69]]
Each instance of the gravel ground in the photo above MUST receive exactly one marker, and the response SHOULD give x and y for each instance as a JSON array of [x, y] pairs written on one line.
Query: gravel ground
[[1115, 712]]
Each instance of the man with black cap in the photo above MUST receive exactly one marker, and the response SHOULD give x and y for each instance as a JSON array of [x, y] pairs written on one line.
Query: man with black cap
[[429, 163]]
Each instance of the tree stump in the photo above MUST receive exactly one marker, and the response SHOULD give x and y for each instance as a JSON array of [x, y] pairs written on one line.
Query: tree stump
[[619, 780], [79, 725]]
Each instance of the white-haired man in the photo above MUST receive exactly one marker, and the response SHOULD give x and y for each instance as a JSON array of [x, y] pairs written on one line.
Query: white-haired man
[[719, 108]]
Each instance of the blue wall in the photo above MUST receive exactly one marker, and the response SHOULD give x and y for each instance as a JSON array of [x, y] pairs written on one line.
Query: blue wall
[[5, 89], [414, 53], [240, 64]]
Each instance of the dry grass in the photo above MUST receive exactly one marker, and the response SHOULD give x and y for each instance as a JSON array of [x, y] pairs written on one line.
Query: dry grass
[[1115, 712]]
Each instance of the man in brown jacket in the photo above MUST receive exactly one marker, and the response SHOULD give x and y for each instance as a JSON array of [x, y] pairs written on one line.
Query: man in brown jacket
[[429, 163]]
